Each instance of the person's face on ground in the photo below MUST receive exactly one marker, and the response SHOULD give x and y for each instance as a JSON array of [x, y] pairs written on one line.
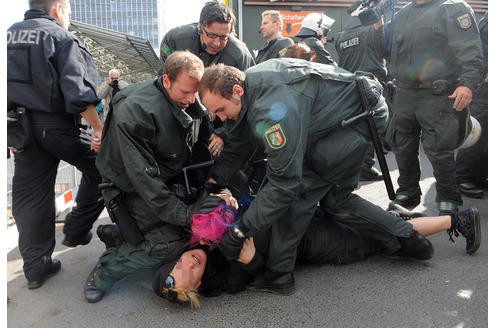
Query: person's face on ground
[[189, 269], [183, 90], [222, 107], [214, 37]]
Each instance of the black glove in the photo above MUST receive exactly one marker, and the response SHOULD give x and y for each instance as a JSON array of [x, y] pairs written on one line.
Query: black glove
[[204, 205], [231, 243]]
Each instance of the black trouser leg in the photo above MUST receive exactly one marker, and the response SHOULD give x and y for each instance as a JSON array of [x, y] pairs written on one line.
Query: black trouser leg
[[65, 144], [33, 207]]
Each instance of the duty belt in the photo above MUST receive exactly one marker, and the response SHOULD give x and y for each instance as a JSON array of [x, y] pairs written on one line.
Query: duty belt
[[437, 87], [51, 118]]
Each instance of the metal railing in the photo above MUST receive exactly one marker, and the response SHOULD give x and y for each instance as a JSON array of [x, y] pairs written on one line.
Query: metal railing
[[68, 177]]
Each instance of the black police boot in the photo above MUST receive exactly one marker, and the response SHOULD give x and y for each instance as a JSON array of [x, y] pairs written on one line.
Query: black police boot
[[370, 173], [408, 201], [471, 190], [93, 294], [403, 212], [281, 283], [72, 241], [50, 268], [109, 234], [467, 222]]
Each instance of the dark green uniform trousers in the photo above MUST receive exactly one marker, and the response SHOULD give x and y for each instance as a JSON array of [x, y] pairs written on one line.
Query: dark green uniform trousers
[[420, 115], [117, 263], [330, 174]]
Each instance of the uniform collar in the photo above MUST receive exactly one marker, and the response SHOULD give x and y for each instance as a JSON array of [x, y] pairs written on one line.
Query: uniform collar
[[184, 116], [37, 13]]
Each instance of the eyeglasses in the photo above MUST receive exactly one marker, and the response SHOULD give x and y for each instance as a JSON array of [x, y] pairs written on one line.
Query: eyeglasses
[[214, 36], [170, 282], [170, 294]]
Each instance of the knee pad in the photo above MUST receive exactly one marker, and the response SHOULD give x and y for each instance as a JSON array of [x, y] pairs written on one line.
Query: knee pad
[[415, 246]]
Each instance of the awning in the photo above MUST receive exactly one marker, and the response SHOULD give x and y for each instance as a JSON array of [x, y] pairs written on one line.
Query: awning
[[132, 56]]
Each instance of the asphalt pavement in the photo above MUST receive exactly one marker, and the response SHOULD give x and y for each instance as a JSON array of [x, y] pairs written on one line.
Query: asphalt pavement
[[450, 290]]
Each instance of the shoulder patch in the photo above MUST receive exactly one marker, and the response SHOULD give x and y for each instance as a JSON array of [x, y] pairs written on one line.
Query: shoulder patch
[[275, 136], [166, 50], [464, 21]]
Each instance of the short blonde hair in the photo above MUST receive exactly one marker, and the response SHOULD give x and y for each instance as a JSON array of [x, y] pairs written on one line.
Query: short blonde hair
[[275, 16]]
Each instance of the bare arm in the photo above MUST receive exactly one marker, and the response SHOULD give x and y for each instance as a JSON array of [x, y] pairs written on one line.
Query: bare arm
[[91, 116]]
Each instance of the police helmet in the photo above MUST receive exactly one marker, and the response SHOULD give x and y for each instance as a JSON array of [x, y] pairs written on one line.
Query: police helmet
[[315, 24], [472, 135]]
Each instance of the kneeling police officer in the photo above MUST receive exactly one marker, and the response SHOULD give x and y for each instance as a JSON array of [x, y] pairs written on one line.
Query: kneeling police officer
[[150, 134]]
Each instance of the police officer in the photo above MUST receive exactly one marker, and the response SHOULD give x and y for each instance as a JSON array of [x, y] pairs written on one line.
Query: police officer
[[51, 82], [360, 48], [295, 109], [472, 163], [313, 31], [271, 30], [150, 135], [212, 39], [437, 61]]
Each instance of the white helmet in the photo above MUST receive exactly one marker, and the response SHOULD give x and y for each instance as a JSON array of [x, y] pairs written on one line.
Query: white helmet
[[473, 135], [315, 24]]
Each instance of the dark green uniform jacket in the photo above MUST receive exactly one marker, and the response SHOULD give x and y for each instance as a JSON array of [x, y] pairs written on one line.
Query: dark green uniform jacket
[[147, 141], [186, 37], [437, 40], [288, 105], [361, 49], [272, 48]]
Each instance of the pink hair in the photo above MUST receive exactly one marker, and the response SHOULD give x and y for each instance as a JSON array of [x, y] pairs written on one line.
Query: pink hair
[[210, 227]]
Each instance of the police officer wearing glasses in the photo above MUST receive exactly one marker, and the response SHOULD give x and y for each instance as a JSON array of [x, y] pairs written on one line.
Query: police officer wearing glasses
[[212, 39]]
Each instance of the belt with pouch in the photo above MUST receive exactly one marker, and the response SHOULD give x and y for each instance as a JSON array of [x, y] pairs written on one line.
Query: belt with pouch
[[437, 87]]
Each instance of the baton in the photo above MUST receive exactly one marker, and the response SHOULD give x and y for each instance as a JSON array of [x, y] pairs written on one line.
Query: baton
[[377, 144], [381, 157]]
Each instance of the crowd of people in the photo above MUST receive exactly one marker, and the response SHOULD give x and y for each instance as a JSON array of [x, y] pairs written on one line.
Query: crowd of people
[[226, 169]]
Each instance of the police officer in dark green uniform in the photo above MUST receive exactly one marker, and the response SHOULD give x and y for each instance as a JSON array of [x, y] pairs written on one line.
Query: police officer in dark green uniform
[[212, 39], [148, 138], [271, 29], [314, 28], [360, 48], [295, 109], [436, 59]]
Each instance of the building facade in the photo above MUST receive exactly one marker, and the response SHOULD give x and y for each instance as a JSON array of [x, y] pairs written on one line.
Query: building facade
[[132, 17]]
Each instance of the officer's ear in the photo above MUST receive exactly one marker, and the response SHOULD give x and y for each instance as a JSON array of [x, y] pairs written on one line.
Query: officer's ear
[[166, 81], [58, 8], [54, 10], [237, 90]]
